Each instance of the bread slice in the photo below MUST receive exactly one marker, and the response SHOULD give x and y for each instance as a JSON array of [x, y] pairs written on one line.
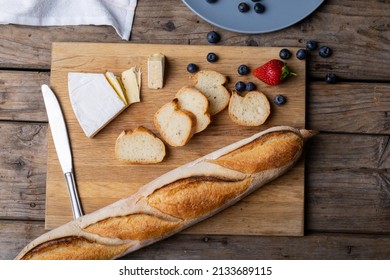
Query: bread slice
[[175, 125], [211, 84], [193, 100], [252, 109], [139, 146]]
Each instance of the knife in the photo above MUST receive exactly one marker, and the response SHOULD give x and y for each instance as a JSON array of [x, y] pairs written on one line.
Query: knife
[[62, 146]]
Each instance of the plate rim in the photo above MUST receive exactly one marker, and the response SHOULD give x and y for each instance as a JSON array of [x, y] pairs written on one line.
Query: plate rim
[[252, 32]]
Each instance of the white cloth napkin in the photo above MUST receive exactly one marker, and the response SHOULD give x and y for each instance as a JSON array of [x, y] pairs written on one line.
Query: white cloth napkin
[[117, 13]]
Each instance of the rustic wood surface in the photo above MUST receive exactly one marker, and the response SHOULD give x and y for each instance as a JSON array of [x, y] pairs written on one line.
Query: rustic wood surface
[[347, 191]]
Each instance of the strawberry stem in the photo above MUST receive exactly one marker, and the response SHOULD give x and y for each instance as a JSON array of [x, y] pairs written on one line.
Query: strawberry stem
[[286, 72]]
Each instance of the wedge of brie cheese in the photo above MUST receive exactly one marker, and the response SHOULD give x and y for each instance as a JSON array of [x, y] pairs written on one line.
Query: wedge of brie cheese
[[156, 65], [94, 101]]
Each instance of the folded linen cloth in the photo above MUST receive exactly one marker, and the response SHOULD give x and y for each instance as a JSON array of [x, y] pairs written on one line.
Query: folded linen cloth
[[117, 13]]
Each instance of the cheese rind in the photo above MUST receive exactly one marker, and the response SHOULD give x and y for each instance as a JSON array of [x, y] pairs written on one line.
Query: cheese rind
[[131, 80], [156, 65], [116, 84], [94, 101]]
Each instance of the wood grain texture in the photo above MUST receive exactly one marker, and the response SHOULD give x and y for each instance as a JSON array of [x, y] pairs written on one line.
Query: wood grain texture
[[311, 247], [14, 235], [315, 246], [21, 97], [32, 44], [360, 190], [349, 107], [102, 179], [22, 170], [346, 173], [357, 31]]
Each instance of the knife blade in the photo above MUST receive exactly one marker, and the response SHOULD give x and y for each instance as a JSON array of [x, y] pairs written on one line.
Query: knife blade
[[62, 146]]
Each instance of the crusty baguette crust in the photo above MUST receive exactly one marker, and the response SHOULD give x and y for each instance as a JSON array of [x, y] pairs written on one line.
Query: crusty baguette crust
[[171, 202]]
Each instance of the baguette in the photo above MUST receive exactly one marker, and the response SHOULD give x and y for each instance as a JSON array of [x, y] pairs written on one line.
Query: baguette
[[174, 201]]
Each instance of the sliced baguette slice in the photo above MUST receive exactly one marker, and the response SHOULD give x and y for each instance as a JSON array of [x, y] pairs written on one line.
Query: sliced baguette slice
[[175, 125], [211, 84], [193, 100], [252, 109], [140, 146]]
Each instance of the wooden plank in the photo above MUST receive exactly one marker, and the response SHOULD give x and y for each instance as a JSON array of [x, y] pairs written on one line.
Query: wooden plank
[[348, 189], [22, 170], [102, 179], [15, 235], [310, 247], [32, 44], [349, 107], [358, 36], [21, 97]]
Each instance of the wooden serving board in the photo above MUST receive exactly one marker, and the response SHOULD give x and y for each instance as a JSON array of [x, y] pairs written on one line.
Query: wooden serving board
[[275, 209]]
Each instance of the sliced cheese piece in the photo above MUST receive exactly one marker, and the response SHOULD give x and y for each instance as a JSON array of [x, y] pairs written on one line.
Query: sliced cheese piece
[[94, 101], [156, 65], [116, 84], [131, 80]]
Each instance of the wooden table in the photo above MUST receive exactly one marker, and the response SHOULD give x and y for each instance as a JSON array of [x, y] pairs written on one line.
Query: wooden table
[[347, 207]]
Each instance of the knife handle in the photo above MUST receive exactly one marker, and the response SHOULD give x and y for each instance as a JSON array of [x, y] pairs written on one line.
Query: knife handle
[[74, 198]]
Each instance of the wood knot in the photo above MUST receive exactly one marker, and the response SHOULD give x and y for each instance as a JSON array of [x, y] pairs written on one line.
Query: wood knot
[[169, 26], [19, 163], [28, 132]]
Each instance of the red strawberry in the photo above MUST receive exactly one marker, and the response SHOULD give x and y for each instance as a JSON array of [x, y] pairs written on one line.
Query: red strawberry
[[273, 72]]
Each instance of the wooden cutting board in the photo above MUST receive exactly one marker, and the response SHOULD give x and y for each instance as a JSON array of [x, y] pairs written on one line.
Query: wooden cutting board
[[275, 209]]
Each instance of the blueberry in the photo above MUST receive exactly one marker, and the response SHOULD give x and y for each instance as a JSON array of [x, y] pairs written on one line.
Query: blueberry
[[301, 54], [331, 78], [211, 1], [250, 86], [284, 54], [212, 57], [213, 37], [240, 86], [311, 45], [325, 51], [243, 70], [192, 68], [243, 7], [259, 8], [280, 99]]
